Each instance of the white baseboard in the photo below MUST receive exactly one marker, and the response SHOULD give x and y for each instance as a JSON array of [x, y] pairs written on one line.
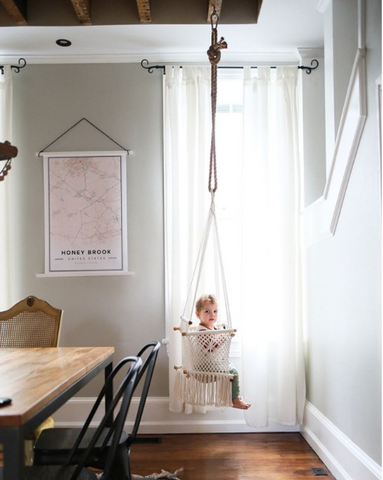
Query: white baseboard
[[345, 460], [157, 418]]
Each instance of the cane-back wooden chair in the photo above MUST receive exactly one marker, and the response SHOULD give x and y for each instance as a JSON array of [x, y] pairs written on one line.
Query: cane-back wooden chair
[[31, 323]]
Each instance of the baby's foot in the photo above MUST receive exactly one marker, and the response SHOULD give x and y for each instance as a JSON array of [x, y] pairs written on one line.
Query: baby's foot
[[240, 403]]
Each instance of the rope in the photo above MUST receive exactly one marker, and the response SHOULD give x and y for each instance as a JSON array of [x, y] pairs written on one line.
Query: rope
[[214, 54], [211, 223], [224, 287], [204, 378], [198, 266]]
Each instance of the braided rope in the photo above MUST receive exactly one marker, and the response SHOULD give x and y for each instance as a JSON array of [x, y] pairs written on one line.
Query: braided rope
[[214, 54]]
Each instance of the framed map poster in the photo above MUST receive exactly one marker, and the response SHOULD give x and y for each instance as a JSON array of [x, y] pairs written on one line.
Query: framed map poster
[[85, 213]]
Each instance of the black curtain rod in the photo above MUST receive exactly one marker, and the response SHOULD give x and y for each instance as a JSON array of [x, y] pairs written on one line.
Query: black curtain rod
[[150, 68], [16, 68]]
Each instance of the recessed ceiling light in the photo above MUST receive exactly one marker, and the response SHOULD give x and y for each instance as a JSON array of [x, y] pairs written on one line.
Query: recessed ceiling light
[[62, 42]]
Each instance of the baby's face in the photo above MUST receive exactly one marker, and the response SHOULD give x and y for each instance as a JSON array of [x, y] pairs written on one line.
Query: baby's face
[[208, 315]]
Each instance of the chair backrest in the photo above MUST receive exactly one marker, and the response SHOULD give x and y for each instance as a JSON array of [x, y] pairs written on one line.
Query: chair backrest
[[150, 353], [124, 393], [30, 323]]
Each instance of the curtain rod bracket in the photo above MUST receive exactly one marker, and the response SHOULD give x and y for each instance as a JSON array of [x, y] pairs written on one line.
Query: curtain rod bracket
[[309, 69], [16, 68], [145, 64]]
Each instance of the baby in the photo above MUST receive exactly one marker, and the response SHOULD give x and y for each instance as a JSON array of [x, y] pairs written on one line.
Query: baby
[[206, 309]]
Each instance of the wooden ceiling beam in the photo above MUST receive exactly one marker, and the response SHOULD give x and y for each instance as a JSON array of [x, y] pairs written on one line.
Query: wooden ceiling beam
[[17, 10], [144, 13], [259, 5], [82, 9], [214, 4]]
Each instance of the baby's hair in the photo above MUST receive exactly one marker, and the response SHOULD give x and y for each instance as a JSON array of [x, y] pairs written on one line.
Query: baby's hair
[[202, 300]]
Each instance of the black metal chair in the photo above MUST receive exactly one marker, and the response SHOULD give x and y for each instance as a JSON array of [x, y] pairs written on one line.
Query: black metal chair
[[68, 444], [99, 445]]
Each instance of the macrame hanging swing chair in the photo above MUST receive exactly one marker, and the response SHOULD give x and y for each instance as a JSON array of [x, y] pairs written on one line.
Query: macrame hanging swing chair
[[204, 377]]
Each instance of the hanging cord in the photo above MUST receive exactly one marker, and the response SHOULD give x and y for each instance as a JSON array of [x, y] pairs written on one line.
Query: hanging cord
[[75, 125], [200, 262], [214, 54]]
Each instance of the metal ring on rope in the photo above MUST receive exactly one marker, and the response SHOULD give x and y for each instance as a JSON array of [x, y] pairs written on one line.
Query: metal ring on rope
[[214, 14]]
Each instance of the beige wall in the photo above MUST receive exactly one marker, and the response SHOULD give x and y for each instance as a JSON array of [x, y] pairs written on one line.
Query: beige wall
[[125, 102], [343, 311]]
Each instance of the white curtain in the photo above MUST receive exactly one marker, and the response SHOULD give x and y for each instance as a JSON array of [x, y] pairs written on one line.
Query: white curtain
[[186, 148], [262, 232], [273, 357], [5, 193]]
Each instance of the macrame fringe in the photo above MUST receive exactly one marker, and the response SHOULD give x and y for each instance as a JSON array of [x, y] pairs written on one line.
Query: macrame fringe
[[204, 389]]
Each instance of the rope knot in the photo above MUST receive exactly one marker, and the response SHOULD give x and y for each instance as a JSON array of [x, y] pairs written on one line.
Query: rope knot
[[214, 52]]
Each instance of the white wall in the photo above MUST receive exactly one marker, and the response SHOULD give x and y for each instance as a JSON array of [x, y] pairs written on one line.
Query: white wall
[[125, 102], [313, 133], [343, 302], [340, 41]]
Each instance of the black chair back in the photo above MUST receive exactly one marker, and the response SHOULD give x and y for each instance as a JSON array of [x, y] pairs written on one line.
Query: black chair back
[[68, 445], [124, 392], [150, 351]]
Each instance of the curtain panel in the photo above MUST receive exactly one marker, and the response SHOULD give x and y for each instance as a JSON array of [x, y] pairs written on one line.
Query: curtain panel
[[273, 355], [186, 148], [264, 270], [6, 299]]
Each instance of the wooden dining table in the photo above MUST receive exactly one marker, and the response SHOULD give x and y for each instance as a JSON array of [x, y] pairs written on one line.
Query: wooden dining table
[[39, 381]]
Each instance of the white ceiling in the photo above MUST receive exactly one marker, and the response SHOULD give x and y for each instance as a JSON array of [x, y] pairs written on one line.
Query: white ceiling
[[283, 26]]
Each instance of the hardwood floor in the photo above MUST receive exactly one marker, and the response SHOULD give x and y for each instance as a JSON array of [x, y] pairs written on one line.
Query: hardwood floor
[[237, 456], [233, 456]]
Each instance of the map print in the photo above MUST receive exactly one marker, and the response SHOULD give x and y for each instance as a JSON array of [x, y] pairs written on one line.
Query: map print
[[85, 220]]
